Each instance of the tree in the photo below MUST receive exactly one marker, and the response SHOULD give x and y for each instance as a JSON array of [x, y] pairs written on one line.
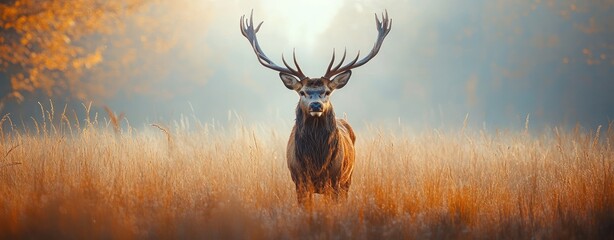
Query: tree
[[89, 49]]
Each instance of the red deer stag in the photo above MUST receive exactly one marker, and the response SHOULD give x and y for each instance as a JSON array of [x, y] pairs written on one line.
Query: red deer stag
[[321, 147]]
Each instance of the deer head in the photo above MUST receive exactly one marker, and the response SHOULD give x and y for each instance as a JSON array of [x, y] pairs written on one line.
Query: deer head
[[315, 92]]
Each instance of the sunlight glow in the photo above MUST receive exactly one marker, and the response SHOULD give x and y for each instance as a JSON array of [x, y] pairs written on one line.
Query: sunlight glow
[[304, 20]]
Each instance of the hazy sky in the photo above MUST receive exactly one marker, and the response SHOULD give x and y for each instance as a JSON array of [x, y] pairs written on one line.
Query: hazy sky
[[494, 60]]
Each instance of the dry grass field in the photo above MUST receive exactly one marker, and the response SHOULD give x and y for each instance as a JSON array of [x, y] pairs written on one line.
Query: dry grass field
[[92, 179]]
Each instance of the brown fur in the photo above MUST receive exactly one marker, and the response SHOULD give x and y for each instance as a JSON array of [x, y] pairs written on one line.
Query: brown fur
[[321, 155]]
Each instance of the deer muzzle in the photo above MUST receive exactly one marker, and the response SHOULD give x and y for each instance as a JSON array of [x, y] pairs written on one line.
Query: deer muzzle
[[316, 109]]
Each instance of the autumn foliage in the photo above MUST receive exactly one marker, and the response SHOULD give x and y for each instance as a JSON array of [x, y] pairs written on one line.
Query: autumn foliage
[[90, 49]]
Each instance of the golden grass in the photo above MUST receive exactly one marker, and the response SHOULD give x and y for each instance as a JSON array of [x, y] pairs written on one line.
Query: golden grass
[[91, 179]]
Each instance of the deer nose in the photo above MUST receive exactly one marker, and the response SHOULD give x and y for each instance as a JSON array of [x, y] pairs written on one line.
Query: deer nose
[[315, 107]]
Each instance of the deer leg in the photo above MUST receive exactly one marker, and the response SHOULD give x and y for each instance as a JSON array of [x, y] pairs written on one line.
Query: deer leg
[[342, 194], [338, 192], [304, 195], [341, 191]]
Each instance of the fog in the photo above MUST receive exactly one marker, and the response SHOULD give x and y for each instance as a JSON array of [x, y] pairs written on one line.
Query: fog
[[493, 61]]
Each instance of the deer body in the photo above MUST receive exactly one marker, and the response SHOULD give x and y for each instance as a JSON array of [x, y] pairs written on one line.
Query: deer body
[[321, 155], [322, 158], [320, 150]]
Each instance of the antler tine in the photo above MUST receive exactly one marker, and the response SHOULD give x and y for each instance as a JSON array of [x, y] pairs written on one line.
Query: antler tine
[[353, 61], [298, 72], [298, 68], [286, 64], [248, 31], [242, 26], [258, 28], [331, 61], [342, 60], [336, 69], [383, 28]]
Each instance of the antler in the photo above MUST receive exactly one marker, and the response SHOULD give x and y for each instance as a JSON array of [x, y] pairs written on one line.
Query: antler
[[383, 28], [248, 31]]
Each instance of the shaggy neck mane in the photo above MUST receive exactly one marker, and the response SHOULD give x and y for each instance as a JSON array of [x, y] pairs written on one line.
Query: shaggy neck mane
[[316, 139]]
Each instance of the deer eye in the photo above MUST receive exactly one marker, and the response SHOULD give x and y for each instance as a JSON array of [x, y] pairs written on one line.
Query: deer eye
[[302, 93], [327, 93]]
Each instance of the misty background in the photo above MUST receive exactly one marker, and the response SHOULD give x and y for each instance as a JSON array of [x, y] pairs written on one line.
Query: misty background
[[495, 61]]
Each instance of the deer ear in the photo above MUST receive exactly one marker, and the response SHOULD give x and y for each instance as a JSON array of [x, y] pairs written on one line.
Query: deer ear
[[340, 80], [290, 81]]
